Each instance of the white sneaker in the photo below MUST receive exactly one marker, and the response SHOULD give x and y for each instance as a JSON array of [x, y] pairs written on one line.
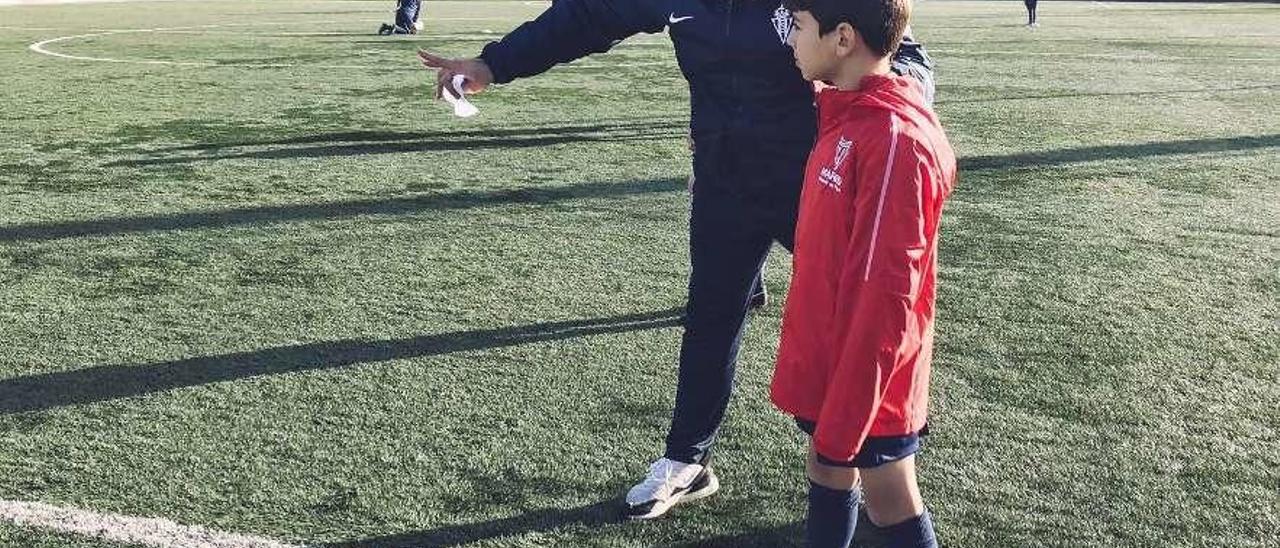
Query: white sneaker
[[669, 482]]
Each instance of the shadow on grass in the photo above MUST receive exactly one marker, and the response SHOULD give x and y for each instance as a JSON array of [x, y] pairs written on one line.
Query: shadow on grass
[[520, 496], [468, 198], [359, 143], [621, 126], [594, 515], [1117, 152], [462, 199], [781, 535], [594, 520], [109, 382]]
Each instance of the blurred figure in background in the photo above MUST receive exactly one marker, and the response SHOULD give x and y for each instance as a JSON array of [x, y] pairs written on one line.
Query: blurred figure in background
[[408, 19]]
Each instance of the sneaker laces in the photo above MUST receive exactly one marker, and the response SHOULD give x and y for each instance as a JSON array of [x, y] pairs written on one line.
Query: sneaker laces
[[663, 471]]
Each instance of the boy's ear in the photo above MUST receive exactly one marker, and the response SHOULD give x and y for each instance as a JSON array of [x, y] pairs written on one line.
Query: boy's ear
[[847, 41]]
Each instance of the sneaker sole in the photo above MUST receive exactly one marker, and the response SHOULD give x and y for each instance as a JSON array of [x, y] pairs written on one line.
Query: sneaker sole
[[658, 508]]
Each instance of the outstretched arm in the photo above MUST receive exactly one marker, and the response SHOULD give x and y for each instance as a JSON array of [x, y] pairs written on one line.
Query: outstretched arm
[[568, 30]]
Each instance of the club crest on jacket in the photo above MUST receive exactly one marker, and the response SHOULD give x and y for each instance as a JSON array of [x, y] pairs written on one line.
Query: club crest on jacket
[[782, 23], [842, 151], [830, 175]]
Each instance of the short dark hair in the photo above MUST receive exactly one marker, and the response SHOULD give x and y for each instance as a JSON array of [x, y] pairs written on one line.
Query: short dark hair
[[881, 23]]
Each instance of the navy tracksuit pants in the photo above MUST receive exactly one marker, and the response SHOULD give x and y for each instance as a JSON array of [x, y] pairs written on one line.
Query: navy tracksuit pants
[[745, 198]]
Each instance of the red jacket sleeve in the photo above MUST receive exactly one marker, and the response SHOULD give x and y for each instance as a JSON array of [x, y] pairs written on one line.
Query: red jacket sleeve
[[879, 285]]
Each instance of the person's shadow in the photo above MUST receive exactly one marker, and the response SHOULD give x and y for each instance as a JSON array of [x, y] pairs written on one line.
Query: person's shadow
[[600, 514], [45, 391], [594, 515]]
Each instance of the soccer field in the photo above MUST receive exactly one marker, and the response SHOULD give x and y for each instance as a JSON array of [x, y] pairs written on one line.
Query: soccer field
[[252, 279]]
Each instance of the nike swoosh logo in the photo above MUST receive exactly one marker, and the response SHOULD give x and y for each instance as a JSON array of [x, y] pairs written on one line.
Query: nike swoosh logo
[[673, 19]]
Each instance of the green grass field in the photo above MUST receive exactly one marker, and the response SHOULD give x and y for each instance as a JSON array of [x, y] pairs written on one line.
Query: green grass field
[[268, 287]]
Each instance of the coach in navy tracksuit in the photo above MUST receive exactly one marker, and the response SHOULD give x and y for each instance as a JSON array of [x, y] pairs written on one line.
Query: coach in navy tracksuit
[[752, 124]]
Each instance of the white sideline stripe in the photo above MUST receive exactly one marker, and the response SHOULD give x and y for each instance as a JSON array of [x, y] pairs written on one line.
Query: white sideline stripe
[[253, 24], [884, 189], [157, 532], [59, 2], [40, 47], [1111, 56]]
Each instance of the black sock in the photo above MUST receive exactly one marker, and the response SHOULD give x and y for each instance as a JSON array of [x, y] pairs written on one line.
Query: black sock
[[916, 532], [833, 514]]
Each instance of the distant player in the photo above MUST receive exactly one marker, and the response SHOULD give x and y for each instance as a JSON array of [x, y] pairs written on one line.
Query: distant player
[[857, 328], [408, 19], [1031, 13]]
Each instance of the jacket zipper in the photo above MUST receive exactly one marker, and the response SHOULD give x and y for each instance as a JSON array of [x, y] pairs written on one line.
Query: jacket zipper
[[733, 75], [728, 19]]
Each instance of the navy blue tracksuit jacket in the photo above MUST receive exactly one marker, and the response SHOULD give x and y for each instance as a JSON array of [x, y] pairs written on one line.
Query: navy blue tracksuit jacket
[[753, 121]]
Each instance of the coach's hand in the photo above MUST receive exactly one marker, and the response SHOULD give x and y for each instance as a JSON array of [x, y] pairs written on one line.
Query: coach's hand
[[476, 71]]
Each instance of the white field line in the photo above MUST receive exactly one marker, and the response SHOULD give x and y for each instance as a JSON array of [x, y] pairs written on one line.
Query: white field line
[[62, 2], [156, 532], [41, 48], [55, 2], [277, 23], [217, 25], [1109, 56]]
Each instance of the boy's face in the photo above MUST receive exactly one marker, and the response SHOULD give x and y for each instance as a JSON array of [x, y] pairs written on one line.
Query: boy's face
[[815, 53]]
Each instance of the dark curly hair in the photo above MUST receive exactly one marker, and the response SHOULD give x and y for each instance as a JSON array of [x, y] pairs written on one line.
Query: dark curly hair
[[881, 23]]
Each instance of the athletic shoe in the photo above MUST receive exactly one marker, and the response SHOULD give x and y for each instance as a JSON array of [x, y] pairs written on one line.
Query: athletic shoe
[[669, 482], [386, 30]]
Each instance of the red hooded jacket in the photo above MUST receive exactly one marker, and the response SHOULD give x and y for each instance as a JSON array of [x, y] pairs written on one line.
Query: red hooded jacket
[[857, 331]]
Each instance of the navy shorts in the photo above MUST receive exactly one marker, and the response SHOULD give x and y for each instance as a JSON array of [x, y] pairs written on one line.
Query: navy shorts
[[876, 450]]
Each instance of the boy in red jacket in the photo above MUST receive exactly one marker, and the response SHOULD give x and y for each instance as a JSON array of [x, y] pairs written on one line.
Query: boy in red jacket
[[857, 331]]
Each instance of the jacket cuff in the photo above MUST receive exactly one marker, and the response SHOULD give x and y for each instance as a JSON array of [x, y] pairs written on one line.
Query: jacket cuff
[[492, 55]]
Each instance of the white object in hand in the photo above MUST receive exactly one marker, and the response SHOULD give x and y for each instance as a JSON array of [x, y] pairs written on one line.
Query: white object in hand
[[454, 95]]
